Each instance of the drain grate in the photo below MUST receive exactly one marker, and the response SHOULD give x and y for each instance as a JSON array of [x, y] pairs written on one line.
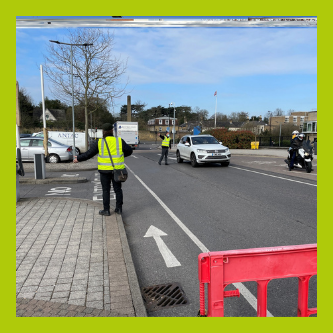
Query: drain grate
[[163, 296]]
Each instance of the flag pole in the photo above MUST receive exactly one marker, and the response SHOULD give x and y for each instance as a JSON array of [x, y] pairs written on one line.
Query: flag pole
[[215, 107]]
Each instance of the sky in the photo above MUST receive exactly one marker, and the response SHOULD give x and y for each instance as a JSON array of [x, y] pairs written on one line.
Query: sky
[[253, 70]]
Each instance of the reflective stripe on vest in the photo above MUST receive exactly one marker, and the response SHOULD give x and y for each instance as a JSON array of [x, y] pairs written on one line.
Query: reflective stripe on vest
[[166, 141], [116, 151]]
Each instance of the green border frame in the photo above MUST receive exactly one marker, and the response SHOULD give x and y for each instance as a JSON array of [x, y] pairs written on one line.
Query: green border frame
[[136, 8]]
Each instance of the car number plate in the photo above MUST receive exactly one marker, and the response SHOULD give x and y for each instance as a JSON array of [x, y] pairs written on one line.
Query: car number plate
[[216, 154]]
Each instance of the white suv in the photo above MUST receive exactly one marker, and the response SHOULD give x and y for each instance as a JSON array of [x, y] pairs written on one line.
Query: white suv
[[202, 149]]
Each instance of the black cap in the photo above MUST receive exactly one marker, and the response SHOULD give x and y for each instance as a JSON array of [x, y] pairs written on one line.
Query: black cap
[[107, 127]]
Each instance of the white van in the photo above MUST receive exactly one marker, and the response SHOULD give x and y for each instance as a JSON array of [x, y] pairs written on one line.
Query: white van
[[67, 139]]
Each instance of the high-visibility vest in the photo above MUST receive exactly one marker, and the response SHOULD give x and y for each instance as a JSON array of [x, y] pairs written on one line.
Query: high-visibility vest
[[116, 151], [166, 141]]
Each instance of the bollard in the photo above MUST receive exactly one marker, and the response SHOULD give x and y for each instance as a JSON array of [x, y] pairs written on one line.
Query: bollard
[[39, 160]]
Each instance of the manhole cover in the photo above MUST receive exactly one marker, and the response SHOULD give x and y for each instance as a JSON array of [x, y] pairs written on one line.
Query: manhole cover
[[163, 296]]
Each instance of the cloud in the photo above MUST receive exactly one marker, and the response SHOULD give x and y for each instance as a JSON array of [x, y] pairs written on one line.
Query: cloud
[[208, 55]]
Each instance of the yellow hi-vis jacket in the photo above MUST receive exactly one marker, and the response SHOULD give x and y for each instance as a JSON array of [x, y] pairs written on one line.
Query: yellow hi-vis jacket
[[166, 141], [116, 151]]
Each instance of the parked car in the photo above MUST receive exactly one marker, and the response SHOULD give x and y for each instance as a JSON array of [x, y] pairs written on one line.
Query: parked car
[[66, 138], [199, 149], [25, 135], [58, 152]]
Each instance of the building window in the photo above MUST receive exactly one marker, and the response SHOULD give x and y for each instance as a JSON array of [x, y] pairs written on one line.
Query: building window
[[166, 122], [295, 119], [302, 119], [286, 119], [160, 129], [314, 127], [160, 122], [309, 127], [173, 122]]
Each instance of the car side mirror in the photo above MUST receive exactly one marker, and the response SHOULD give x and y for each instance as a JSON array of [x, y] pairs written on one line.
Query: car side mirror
[[220, 143], [187, 144]]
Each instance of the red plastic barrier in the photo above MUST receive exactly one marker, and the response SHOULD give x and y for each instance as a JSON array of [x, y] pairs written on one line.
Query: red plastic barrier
[[218, 269]]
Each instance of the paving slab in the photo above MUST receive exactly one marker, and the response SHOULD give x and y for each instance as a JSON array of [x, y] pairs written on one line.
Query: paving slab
[[72, 266]]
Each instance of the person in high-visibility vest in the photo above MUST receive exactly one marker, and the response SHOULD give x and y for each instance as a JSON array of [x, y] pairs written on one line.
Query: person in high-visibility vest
[[119, 149], [166, 145]]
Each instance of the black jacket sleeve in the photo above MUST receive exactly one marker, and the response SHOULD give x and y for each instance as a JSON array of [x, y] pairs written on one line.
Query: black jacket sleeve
[[127, 150], [91, 152]]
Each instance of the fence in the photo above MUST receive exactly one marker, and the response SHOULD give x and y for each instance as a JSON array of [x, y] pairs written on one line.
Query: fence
[[219, 269], [275, 141]]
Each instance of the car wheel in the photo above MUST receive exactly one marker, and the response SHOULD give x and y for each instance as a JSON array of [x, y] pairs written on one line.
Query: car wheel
[[194, 162], [77, 151], [225, 164], [179, 159], [53, 158]]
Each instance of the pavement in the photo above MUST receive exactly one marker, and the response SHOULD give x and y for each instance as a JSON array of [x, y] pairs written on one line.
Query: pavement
[[73, 262]]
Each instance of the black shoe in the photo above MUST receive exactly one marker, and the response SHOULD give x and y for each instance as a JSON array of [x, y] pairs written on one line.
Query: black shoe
[[290, 168], [118, 210], [104, 212], [159, 163], [166, 163]]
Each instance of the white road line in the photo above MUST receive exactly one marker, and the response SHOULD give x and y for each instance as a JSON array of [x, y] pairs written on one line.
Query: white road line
[[244, 291], [265, 174]]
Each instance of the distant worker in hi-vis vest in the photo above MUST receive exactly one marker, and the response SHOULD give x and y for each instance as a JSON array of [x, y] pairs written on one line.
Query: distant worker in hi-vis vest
[[118, 150], [166, 145]]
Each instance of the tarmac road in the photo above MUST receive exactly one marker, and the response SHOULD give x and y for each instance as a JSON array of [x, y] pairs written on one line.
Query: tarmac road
[[243, 206]]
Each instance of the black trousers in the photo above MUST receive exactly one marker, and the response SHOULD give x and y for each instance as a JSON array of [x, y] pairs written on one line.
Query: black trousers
[[164, 153], [106, 179]]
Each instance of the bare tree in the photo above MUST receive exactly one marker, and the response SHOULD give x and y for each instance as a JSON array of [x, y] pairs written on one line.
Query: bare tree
[[278, 112], [97, 72], [219, 116]]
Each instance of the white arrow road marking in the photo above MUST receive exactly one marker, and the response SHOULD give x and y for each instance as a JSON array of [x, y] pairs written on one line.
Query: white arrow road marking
[[169, 258], [134, 156], [70, 175]]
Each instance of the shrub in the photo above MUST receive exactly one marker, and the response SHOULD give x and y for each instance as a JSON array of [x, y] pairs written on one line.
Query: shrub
[[233, 139]]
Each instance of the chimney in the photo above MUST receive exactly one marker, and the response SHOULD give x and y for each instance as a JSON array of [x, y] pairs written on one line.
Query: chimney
[[230, 121], [129, 108], [260, 118], [247, 119]]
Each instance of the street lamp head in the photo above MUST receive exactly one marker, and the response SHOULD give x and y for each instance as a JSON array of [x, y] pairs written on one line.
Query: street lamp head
[[54, 41]]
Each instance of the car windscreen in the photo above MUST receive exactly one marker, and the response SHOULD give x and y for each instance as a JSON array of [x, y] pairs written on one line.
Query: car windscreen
[[204, 140]]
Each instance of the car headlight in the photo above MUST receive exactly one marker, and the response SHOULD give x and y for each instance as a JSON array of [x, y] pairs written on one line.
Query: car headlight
[[201, 151], [227, 150]]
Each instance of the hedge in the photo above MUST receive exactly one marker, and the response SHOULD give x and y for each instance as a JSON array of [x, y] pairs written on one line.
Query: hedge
[[233, 139]]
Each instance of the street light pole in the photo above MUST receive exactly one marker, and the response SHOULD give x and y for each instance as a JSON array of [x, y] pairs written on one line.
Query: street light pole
[[73, 148], [174, 122], [169, 115], [270, 126], [71, 45], [174, 115]]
